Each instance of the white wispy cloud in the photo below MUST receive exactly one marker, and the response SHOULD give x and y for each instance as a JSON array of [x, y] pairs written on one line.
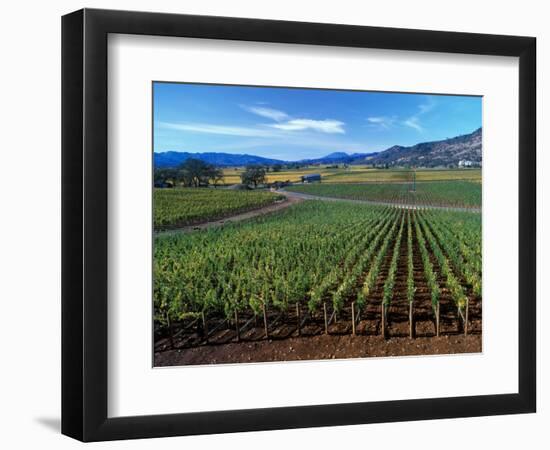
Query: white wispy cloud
[[324, 126], [287, 123], [218, 129], [269, 113], [384, 122], [427, 107], [414, 121]]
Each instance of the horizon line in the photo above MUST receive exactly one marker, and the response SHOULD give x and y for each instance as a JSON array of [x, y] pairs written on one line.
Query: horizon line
[[319, 157]]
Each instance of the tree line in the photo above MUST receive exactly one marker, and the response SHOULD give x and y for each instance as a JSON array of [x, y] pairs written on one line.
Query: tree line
[[196, 173]]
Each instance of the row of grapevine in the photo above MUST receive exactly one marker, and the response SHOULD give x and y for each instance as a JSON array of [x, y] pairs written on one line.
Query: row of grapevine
[[461, 194], [453, 285], [331, 281], [349, 283], [183, 206], [311, 255], [411, 289], [372, 274], [462, 260], [410, 267], [390, 279], [269, 261], [429, 273]]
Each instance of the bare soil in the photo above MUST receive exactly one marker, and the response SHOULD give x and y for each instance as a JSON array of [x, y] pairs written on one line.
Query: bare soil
[[316, 348]]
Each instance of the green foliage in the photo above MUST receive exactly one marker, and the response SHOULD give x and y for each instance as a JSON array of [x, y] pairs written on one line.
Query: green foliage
[[191, 173], [372, 274], [254, 175], [390, 279], [437, 193], [310, 253], [431, 276], [410, 267], [183, 206], [440, 241]]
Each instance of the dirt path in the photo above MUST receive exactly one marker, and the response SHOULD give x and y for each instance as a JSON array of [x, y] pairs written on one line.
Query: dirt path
[[318, 347], [277, 206], [300, 195]]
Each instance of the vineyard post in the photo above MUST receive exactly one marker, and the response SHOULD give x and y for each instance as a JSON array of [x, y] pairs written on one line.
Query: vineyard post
[[383, 314], [325, 315], [353, 318], [411, 318], [170, 331], [437, 319], [204, 326], [298, 319], [237, 325], [466, 318], [265, 322]]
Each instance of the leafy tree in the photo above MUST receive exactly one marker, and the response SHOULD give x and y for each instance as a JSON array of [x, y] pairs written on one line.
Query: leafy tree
[[253, 175], [216, 175], [165, 175], [194, 172]]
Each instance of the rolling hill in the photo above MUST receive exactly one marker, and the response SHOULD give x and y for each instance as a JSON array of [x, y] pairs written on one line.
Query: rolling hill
[[431, 154], [426, 154], [174, 159]]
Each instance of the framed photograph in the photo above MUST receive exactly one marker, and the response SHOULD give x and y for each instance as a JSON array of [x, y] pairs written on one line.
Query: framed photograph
[[273, 224]]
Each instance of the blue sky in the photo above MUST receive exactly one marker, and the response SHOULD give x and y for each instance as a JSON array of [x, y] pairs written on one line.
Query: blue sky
[[294, 124]]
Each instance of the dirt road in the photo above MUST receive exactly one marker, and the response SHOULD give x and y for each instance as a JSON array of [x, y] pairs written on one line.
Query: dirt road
[[278, 206]]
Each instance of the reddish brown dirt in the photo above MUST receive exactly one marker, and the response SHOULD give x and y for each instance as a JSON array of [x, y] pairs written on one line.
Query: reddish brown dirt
[[318, 347]]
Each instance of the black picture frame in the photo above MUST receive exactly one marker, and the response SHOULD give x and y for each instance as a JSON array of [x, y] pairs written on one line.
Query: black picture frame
[[84, 224]]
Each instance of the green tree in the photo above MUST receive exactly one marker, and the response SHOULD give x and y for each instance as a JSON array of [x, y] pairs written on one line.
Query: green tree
[[215, 175], [165, 175], [194, 172], [253, 175]]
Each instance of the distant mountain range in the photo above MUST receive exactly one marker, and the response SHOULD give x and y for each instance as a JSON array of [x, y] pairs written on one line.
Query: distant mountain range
[[174, 159], [432, 154], [339, 158], [426, 154]]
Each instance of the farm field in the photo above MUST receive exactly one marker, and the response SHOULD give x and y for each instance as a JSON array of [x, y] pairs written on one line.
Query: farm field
[[363, 175], [463, 194], [359, 174], [321, 268], [184, 206], [233, 175]]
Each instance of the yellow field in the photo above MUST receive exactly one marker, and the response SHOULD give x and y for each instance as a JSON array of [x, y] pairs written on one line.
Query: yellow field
[[232, 175], [360, 174]]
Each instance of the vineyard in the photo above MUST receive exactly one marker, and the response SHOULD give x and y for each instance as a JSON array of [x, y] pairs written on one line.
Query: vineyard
[[320, 268], [462, 194], [184, 206]]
